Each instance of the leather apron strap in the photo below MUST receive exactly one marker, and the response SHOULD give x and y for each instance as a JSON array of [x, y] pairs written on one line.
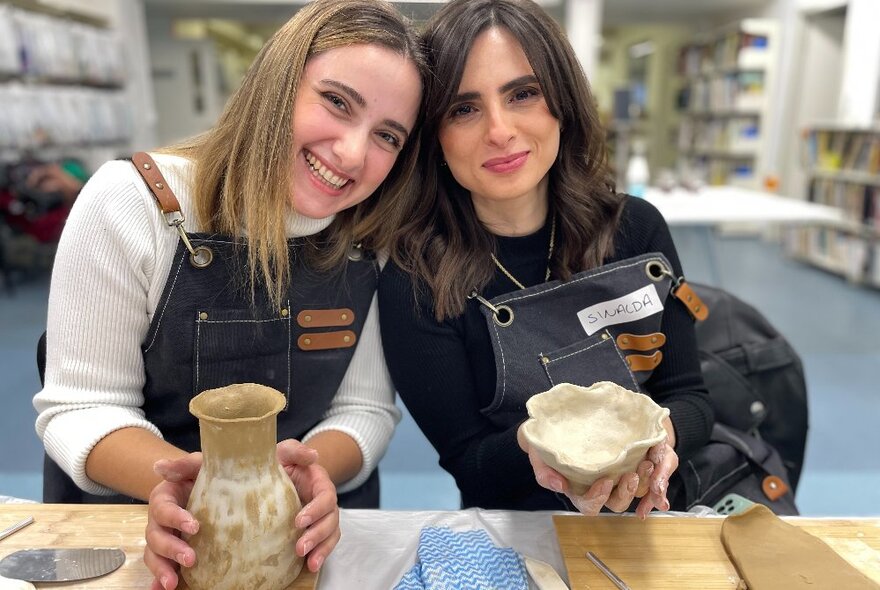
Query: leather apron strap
[[199, 257]]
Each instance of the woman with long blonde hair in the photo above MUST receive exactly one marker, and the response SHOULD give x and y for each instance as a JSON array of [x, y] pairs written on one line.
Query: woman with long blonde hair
[[242, 255]]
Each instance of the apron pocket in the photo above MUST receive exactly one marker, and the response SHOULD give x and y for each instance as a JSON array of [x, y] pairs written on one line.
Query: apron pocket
[[587, 361], [239, 346]]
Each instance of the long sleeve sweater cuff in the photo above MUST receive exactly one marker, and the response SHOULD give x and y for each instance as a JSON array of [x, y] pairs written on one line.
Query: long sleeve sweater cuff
[[692, 427], [69, 444]]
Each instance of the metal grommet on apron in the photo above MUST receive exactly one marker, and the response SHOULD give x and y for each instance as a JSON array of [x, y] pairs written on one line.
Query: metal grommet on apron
[[502, 315], [656, 270], [201, 257], [355, 252]]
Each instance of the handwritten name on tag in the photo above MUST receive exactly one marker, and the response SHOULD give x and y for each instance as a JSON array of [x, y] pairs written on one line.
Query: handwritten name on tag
[[632, 306]]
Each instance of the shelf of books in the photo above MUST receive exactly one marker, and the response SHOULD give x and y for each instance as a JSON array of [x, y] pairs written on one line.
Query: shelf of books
[[843, 166], [728, 75], [62, 82]]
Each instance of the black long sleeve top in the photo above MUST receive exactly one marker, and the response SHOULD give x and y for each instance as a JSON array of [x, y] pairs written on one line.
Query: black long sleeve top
[[445, 371]]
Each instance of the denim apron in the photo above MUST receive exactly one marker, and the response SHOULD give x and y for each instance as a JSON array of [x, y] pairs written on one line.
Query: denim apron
[[603, 324], [208, 333]]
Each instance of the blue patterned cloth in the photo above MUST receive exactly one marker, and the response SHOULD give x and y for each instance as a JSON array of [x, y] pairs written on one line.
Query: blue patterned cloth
[[449, 560]]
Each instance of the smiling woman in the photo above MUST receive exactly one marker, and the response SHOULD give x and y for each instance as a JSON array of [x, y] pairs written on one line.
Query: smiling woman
[[346, 128], [518, 245], [243, 255]]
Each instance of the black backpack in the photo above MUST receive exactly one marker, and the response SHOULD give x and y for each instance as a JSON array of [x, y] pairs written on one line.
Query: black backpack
[[756, 385], [754, 376]]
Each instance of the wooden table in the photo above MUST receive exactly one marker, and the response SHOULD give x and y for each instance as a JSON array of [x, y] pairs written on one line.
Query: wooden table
[[86, 526], [379, 546], [679, 553]]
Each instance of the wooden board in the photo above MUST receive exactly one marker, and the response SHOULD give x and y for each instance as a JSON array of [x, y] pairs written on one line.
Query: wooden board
[[68, 525], [682, 553]]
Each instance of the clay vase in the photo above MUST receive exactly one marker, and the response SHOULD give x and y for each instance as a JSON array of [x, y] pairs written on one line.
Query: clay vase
[[243, 499]]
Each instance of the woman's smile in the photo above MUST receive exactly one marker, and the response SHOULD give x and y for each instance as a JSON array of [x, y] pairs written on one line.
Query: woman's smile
[[324, 175], [507, 164]]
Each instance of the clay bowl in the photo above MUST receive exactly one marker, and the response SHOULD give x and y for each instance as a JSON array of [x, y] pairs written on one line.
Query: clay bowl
[[586, 433]]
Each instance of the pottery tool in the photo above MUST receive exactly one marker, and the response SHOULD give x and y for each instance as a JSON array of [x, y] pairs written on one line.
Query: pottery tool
[[60, 565], [16, 527], [607, 571]]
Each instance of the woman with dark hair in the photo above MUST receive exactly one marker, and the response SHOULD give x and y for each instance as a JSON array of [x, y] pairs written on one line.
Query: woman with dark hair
[[260, 270], [522, 258]]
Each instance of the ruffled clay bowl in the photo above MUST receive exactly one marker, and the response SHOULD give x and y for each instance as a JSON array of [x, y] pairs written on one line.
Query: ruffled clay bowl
[[586, 433]]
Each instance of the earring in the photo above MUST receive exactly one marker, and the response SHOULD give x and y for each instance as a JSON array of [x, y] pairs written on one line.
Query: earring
[[443, 164]]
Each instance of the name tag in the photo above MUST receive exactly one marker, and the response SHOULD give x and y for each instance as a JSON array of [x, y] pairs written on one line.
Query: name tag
[[632, 306]]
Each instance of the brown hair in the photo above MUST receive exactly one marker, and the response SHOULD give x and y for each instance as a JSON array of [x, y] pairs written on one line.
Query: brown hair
[[444, 244], [242, 165]]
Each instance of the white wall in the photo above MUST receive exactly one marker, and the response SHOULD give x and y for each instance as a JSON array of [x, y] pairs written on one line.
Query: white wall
[[861, 64], [132, 27], [877, 108], [815, 95], [185, 84], [583, 23]]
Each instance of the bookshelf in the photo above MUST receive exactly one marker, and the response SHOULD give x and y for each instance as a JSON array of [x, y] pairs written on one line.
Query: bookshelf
[[728, 81], [62, 83], [842, 164]]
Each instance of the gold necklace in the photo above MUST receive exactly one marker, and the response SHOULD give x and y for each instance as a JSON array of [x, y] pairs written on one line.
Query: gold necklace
[[549, 258]]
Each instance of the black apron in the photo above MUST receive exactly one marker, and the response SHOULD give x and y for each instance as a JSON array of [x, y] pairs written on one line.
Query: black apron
[[207, 332], [603, 324]]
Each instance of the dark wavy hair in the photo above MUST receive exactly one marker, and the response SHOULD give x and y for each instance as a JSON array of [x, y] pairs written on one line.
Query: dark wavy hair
[[444, 245]]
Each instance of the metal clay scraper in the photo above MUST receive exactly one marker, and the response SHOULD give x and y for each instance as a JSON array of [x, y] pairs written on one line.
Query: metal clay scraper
[[60, 565]]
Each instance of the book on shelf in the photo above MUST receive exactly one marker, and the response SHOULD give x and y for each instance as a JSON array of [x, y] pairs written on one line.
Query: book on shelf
[[737, 49], [830, 249], [852, 153], [844, 168], [873, 158], [842, 150], [856, 200], [873, 215]]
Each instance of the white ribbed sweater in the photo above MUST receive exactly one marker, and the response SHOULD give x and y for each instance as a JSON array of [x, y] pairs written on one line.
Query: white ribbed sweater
[[110, 270]]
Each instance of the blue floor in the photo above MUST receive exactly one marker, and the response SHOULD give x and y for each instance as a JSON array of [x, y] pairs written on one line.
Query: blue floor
[[833, 326]]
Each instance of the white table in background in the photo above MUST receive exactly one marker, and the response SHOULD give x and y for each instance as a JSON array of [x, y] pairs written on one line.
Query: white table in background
[[721, 205], [715, 206]]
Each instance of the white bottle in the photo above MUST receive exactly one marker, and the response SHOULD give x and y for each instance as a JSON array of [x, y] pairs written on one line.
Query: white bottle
[[637, 174]]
